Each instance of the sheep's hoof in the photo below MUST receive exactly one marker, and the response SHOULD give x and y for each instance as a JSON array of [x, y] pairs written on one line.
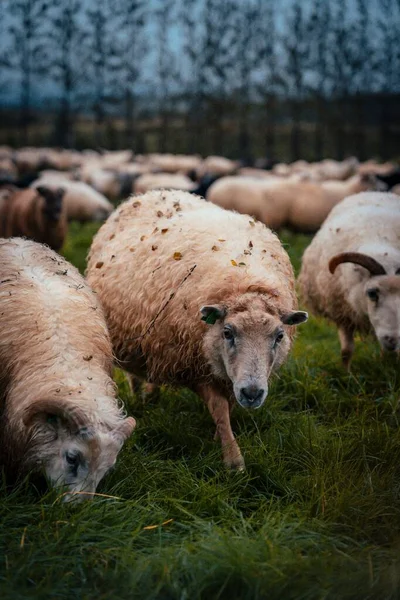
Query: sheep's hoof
[[235, 464]]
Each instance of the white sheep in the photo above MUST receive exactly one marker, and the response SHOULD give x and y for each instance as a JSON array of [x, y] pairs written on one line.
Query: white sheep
[[364, 293], [167, 258], [60, 413]]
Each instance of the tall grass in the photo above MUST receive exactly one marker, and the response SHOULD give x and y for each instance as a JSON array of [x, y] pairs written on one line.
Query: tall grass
[[316, 515]]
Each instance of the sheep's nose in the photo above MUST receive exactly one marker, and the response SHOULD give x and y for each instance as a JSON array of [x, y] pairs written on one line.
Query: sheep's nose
[[252, 393], [389, 342]]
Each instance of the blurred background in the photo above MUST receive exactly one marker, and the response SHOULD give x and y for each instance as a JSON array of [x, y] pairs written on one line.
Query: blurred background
[[240, 78]]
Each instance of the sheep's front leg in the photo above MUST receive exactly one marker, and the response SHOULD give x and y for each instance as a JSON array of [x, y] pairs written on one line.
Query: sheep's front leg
[[346, 337], [138, 386], [219, 409]]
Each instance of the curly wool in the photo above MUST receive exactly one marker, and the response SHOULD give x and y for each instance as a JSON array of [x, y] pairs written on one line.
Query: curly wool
[[368, 222], [159, 258], [54, 345]]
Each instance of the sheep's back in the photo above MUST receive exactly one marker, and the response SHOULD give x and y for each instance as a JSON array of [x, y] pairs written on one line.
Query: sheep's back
[[160, 257]]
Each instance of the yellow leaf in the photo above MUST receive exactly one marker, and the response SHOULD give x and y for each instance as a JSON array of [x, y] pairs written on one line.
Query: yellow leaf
[[177, 256], [234, 263]]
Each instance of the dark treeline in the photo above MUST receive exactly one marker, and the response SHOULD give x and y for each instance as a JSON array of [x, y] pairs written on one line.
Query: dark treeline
[[244, 78]]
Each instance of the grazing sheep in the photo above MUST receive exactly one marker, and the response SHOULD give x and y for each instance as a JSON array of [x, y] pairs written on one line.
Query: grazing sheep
[[216, 165], [300, 205], [59, 411], [156, 181], [363, 294], [336, 190], [82, 203], [167, 258], [38, 214]]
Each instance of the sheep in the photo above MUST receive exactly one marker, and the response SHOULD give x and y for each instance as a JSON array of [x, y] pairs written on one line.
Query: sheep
[[174, 163], [364, 295], [336, 190], [82, 203], [167, 258], [216, 165], [154, 181], [60, 413], [300, 205], [37, 214]]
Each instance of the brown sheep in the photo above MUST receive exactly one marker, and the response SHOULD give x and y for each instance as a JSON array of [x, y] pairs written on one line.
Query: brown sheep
[[59, 410], [167, 258], [37, 214]]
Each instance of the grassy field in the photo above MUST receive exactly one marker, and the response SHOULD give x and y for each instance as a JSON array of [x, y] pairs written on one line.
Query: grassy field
[[315, 516]]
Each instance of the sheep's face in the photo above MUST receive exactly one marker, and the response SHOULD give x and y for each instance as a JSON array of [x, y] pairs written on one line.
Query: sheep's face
[[383, 304], [245, 345], [76, 460]]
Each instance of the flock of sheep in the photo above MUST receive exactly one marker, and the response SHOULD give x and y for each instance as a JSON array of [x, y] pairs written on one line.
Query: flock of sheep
[[179, 290]]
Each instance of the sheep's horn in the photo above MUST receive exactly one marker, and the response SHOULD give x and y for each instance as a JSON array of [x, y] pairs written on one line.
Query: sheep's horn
[[124, 430], [357, 258], [73, 415]]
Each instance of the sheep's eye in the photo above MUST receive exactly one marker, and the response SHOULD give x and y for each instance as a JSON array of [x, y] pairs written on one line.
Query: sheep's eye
[[72, 458], [228, 334], [373, 294], [279, 338]]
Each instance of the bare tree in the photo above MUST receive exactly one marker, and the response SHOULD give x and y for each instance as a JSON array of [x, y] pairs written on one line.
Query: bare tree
[[341, 72], [131, 47], [296, 43], [166, 67], [27, 33], [66, 39], [320, 48], [388, 63], [193, 75], [102, 31], [247, 17], [363, 65], [271, 82], [218, 64]]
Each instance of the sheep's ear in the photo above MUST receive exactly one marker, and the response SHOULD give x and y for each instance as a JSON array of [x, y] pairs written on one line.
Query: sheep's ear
[[124, 430], [294, 318], [210, 314]]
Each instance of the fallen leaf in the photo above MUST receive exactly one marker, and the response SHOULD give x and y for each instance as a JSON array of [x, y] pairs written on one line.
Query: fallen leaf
[[112, 236], [155, 230], [215, 248], [160, 213], [164, 230], [177, 256], [220, 240], [250, 244], [234, 263], [142, 238], [154, 248], [242, 264], [246, 252], [149, 527], [136, 204], [88, 357], [131, 249], [99, 264], [252, 224]]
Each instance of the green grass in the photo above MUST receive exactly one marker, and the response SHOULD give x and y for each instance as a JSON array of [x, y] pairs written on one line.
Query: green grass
[[315, 516]]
